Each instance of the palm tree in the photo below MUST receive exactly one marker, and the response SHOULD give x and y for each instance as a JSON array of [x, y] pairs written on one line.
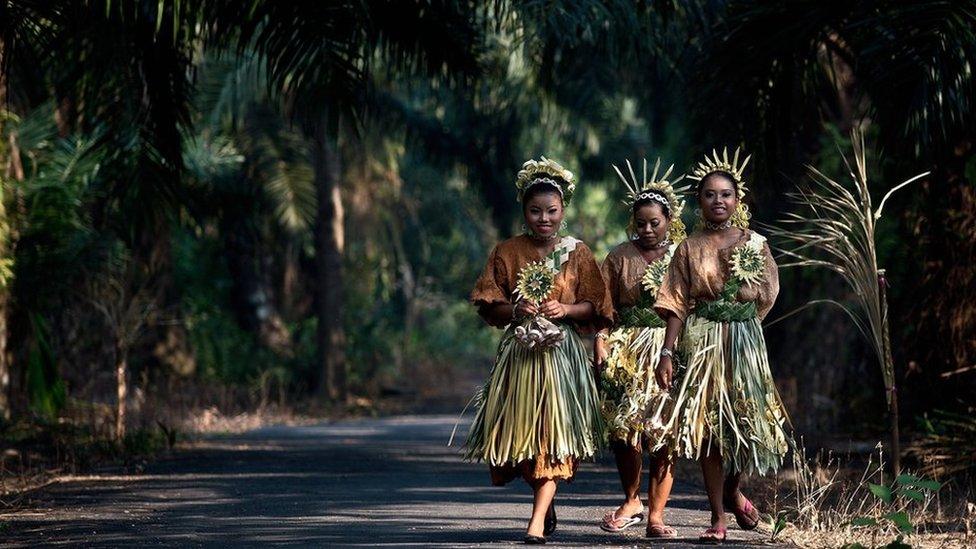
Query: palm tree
[[317, 58]]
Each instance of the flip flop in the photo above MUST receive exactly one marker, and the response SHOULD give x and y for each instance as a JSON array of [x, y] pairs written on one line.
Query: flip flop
[[747, 517], [713, 535], [613, 523], [660, 531]]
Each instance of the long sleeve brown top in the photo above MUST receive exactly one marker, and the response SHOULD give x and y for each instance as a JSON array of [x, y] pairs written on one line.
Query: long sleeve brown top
[[699, 271], [579, 280]]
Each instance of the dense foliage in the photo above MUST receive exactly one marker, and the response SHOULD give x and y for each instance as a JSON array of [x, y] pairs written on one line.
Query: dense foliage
[[300, 195]]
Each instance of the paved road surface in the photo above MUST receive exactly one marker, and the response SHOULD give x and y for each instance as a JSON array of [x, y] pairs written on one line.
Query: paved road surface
[[354, 483]]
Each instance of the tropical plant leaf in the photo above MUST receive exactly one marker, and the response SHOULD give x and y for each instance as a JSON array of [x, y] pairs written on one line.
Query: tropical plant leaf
[[881, 492], [911, 494], [864, 521], [901, 520]]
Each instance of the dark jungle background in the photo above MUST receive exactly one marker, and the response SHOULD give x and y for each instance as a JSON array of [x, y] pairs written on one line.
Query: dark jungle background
[[256, 204]]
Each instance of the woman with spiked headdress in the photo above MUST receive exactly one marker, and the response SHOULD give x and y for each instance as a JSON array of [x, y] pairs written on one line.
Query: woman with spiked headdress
[[721, 283], [627, 355], [538, 412]]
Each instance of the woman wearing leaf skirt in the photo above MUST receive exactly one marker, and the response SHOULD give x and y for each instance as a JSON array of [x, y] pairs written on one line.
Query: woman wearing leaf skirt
[[538, 413], [721, 283], [627, 355]]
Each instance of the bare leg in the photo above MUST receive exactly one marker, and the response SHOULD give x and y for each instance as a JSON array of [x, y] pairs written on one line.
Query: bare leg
[[731, 490], [661, 478], [711, 466], [630, 461], [745, 514], [544, 490]]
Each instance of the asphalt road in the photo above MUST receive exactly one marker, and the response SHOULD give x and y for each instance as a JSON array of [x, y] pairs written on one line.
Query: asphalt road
[[353, 483]]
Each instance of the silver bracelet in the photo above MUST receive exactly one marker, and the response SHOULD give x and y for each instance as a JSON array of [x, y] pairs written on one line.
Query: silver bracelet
[[665, 352], [603, 335]]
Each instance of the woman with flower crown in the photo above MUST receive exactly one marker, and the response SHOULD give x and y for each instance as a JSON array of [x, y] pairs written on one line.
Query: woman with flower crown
[[538, 412], [721, 283], [627, 355]]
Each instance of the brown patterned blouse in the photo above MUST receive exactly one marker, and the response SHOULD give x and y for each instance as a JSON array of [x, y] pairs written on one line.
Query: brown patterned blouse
[[623, 270], [578, 280], [699, 270]]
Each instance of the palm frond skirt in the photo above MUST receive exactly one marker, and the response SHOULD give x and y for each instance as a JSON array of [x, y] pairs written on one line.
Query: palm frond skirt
[[538, 413], [629, 389], [726, 400]]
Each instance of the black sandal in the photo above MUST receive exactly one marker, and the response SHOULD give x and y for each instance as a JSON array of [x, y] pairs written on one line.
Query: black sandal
[[534, 540]]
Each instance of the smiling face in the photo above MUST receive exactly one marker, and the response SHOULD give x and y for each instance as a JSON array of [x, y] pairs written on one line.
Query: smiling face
[[717, 198], [544, 213], [650, 224]]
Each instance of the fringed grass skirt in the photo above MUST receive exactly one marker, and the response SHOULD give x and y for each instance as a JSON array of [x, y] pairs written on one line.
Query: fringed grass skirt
[[726, 399], [629, 389], [538, 412]]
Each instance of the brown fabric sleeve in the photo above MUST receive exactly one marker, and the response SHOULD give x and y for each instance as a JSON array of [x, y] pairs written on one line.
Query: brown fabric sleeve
[[611, 276], [674, 296], [491, 287], [592, 288], [770, 289]]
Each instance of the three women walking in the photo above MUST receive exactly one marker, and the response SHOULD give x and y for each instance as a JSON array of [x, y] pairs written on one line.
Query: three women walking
[[679, 369]]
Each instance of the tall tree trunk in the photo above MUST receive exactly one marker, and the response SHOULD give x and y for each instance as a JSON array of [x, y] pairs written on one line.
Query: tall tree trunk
[[329, 240], [4, 227], [122, 390], [13, 170]]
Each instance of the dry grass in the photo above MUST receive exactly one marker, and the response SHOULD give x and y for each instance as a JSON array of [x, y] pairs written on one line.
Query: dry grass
[[819, 503], [212, 420]]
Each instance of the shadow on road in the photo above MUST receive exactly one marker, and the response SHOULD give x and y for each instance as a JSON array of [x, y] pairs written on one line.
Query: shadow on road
[[365, 482]]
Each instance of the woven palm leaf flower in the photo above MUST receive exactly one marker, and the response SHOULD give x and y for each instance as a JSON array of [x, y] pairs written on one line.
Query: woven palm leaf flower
[[654, 276], [535, 282], [748, 262]]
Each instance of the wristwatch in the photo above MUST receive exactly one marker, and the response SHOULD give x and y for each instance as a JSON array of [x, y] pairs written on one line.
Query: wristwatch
[[667, 352]]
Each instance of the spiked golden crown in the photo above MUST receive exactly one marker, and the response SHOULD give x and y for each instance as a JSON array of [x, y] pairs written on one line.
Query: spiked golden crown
[[716, 163], [735, 168], [659, 189]]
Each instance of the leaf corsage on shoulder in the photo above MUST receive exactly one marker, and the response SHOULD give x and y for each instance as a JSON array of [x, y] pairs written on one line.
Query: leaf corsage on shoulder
[[749, 261]]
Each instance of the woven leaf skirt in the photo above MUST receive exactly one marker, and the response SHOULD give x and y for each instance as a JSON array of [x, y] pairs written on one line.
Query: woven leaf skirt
[[539, 406]]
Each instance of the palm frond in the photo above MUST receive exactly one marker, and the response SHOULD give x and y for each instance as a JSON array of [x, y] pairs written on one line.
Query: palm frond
[[834, 228]]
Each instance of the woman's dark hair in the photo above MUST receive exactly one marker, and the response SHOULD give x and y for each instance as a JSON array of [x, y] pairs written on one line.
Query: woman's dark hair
[[648, 201], [717, 173], [542, 188]]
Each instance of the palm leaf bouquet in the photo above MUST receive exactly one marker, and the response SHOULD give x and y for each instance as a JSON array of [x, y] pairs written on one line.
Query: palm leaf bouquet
[[535, 283]]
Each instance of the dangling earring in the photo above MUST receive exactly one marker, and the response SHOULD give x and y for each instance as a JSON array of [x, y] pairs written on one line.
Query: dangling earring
[[676, 232], [741, 215], [699, 219]]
